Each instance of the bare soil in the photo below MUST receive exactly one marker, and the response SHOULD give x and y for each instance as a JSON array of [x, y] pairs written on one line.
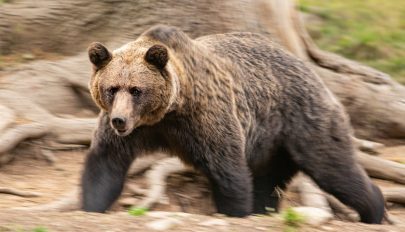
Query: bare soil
[[187, 193]]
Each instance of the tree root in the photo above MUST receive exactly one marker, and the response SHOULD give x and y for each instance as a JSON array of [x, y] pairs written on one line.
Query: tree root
[[38, 123], [381, 168], [395, 194], [68, 202], [367, 146], [145, 162], [19, 193], [156, 178], [341, 210]]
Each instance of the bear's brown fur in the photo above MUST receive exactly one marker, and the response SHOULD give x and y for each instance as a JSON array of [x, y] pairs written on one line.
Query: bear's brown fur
[[235, 106]]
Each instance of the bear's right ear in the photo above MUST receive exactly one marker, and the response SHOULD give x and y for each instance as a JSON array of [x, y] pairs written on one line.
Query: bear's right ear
[[99, 55]]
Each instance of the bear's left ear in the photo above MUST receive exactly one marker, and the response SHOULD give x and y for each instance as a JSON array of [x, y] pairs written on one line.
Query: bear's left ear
[[99, 55], [157, 55]]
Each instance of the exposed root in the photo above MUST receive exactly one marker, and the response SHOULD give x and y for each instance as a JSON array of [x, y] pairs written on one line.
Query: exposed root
[[68, 202], [310, 194], [367, 146], [37, 122], [156, 178], [19, 193], [136, 190], [395, 194], [145, 162], [341, 210], [381, 168], [12, 137], [7, 117], [314, 204]]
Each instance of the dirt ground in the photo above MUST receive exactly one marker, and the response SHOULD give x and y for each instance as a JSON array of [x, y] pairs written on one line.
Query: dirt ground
[[30, 173]]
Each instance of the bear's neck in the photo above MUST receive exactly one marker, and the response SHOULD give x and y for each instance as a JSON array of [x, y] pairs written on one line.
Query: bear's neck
[[196, 71]]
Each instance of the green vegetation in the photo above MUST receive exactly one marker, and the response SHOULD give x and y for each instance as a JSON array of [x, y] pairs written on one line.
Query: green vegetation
[[40, 229], [369, 31], [137, 211], [292, 218], [4, 1]]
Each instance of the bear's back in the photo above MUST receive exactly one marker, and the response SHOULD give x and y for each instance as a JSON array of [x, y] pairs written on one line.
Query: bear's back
[[269, 76], [256, 56], [270, 81]]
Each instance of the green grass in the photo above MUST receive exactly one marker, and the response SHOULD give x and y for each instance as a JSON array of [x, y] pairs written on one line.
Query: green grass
[[292, 218], [4, 1], [369, 31], [137, 211], [40, 229]]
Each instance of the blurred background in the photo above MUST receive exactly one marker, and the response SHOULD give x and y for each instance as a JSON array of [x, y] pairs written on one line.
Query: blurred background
[[371, 31], [47, 115]]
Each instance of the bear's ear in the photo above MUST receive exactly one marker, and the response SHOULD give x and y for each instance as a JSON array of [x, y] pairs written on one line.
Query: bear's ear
[[99, 55], [157, 55]]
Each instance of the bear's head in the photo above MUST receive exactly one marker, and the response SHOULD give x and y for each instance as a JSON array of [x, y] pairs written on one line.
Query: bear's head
[[136, 84]]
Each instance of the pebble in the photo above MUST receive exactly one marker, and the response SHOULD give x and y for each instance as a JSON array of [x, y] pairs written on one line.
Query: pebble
[[163, 224], [28, 56]]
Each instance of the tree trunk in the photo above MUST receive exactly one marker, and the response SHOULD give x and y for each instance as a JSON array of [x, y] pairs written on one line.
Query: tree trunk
[[374, 101]]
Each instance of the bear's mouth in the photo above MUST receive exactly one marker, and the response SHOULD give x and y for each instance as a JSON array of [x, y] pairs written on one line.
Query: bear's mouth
[[122, 132]]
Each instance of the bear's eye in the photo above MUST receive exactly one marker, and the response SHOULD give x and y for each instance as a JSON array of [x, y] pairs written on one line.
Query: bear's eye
[[136, 92], [112, 91]]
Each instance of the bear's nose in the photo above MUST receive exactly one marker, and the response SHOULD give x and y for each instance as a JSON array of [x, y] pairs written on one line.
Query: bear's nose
[[118, 123]]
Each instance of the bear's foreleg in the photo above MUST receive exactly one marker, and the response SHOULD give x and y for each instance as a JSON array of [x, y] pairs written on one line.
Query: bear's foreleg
[[232, 189], [103, 178], [106, 166]]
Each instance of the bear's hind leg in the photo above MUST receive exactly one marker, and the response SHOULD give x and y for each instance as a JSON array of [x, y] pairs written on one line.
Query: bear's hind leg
[[333, 167], [279, 173]]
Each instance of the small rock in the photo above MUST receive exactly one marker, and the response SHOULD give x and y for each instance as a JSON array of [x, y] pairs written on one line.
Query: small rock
[[214, 222], [327, 228], [314, 216], [163, 224], [28, 56]]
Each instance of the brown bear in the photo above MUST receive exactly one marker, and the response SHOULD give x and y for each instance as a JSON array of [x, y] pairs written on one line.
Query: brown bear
[[236, 107]]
